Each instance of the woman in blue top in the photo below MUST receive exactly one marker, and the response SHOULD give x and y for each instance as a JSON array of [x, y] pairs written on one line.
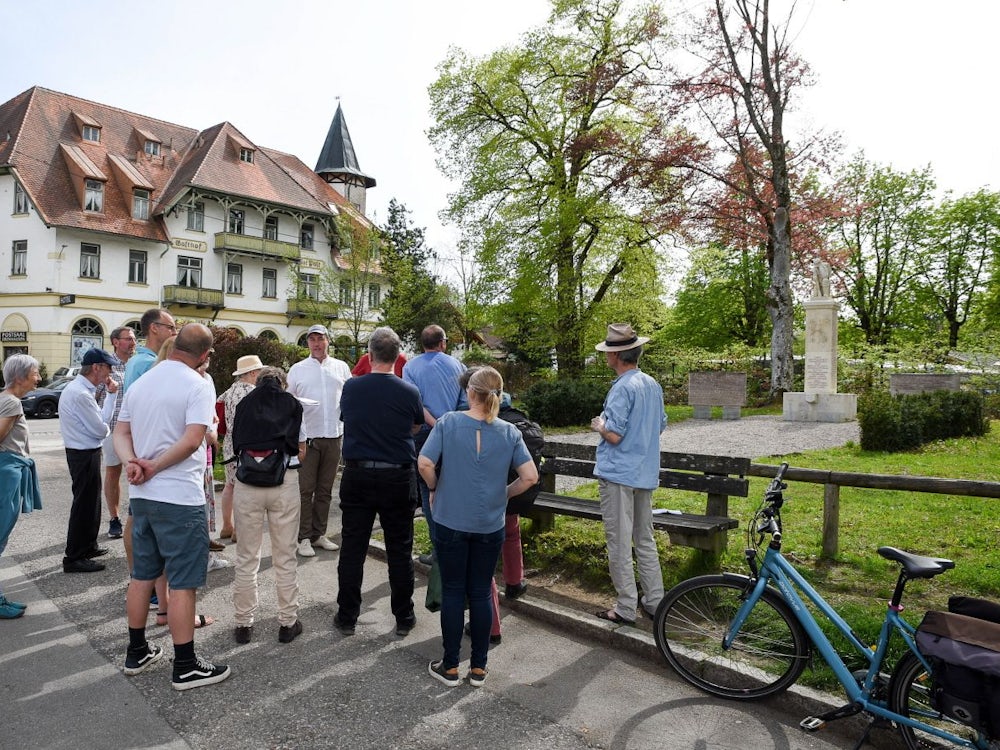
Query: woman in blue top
[[469, 502]]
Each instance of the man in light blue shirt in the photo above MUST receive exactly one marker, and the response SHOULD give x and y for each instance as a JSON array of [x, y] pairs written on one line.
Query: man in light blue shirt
[[628, 470], [84, 427]]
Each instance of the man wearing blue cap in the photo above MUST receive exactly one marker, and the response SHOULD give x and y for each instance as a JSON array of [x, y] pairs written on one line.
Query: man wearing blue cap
[[84, 427]]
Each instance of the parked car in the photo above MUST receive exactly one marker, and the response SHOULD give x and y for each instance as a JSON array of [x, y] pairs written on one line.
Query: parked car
[[44, 402], [66, 372]]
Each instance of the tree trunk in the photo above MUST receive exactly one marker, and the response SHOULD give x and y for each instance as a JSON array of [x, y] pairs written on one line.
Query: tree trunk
[[780, 308]]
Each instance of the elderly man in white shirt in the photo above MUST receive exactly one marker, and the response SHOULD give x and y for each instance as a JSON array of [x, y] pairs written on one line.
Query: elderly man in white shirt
[[84, 427], [318, 381]]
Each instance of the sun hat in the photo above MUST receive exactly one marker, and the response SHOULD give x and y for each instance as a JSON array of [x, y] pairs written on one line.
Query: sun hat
[[247, 363], [318, 328], [621, 338]]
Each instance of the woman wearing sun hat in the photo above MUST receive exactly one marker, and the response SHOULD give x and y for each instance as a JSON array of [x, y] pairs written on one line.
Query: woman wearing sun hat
[[247, 369]]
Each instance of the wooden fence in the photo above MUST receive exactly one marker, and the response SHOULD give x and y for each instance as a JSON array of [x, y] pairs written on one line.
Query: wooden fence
[[832, 481]]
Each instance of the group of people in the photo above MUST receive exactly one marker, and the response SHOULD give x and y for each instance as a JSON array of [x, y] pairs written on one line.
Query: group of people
[[410, 433]]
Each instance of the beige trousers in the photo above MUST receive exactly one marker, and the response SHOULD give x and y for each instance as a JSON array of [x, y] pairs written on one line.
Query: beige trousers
[[279, 507]]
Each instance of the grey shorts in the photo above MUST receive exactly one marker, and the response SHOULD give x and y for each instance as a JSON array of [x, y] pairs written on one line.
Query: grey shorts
[[110, 457], [170, 538]]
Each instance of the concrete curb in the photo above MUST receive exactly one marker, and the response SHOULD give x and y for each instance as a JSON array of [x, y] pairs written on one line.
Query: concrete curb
[[798, 699]]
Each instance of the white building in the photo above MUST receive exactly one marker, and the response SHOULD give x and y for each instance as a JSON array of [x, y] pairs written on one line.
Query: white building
[[105, 213]]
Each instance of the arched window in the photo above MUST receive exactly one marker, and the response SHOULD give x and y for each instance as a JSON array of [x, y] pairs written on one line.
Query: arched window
[[87, 334], [303, 341], [269, 335]]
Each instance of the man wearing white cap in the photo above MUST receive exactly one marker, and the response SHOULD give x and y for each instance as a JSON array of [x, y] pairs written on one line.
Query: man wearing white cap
[[628, 470], [319, 380]]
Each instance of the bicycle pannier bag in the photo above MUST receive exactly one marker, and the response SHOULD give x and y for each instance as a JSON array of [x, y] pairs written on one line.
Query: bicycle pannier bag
[[982, 609], [261, 468], [965, 654]]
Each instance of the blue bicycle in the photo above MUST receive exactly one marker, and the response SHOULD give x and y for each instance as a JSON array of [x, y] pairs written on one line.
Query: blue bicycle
[[749, 637]]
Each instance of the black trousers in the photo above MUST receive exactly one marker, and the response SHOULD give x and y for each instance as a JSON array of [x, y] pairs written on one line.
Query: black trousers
[[85, 514], [365, 493]]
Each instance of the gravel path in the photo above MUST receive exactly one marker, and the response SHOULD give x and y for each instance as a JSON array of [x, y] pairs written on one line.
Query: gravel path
[[752, 437]]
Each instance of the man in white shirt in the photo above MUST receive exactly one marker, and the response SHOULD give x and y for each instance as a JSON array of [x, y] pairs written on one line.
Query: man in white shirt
[[84, 427], [160, 438], [318, 378]]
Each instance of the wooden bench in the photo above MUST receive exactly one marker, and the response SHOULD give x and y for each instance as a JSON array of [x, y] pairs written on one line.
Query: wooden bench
[[719, 477]]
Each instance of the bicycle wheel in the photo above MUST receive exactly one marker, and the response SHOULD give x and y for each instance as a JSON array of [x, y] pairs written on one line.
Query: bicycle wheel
[[910, 695], [767, 656]]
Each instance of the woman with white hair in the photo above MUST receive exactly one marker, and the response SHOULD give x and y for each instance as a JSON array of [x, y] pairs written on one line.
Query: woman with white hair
[[19, 491]]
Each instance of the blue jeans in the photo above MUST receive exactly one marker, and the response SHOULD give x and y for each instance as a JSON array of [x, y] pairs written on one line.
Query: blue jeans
[[467, 562]]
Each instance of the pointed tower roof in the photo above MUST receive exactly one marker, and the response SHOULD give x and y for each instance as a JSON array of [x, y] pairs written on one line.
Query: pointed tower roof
[[337, 159]]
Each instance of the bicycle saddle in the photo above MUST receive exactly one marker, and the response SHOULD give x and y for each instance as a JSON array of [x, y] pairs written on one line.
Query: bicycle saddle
[[917, 566]]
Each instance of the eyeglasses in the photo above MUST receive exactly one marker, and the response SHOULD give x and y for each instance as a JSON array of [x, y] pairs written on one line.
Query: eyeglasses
[[171, 326]]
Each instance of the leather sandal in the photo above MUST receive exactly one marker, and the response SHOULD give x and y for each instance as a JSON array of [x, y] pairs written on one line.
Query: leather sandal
[[611, 616]]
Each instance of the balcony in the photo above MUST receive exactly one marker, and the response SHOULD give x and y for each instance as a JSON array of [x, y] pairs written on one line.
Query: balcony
[[310, 308], [175, 294], [256, 247]]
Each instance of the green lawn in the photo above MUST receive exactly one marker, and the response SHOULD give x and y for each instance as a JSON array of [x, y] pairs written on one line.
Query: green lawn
[[858, 582]]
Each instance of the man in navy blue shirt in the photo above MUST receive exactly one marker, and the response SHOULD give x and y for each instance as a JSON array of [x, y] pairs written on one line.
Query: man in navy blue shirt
[[381, 413]]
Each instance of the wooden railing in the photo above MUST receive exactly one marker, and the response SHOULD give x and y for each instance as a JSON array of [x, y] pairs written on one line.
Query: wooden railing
[[832, 481]]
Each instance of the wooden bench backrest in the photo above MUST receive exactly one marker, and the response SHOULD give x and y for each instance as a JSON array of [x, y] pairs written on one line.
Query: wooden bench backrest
[[714, 475]]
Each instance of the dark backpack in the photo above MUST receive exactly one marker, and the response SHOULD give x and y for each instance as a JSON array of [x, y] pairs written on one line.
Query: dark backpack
[[964, 651], [534, 440]]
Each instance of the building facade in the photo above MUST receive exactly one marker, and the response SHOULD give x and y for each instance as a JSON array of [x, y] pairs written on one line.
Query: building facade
[[105, 213]]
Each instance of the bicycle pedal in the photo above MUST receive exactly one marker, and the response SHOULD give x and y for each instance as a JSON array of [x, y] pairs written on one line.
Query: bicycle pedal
[[812, 723]]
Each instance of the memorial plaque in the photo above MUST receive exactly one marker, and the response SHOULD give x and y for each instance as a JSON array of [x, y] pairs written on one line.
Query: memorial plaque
[[908, 384], [717, 388]]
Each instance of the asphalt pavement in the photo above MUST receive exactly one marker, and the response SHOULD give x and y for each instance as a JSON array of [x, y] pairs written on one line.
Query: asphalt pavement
[[560, 678]]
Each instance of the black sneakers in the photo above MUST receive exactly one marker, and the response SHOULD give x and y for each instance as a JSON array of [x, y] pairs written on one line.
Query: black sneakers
[[115, 528], [404, 626], [513, 591], [198, 673], [243, 633], [82, 566], [288, 633], [345, 627], [137, 662], [436, 669]]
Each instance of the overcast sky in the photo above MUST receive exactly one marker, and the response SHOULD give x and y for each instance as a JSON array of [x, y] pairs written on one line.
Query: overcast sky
[[910, 81]]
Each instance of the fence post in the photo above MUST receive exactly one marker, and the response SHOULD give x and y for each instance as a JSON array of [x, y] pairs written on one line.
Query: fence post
[[831, 521]]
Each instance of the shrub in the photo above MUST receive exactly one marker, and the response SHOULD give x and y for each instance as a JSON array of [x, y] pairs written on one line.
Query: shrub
[[895, 423], [562, 403]]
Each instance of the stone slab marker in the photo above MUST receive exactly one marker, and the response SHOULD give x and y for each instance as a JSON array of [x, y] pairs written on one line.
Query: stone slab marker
[[712, 388]]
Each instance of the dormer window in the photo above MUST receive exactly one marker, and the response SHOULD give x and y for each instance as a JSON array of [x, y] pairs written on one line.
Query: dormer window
[[140, 204], [93, 199], [246, 154], [91, 133], [152, 148]]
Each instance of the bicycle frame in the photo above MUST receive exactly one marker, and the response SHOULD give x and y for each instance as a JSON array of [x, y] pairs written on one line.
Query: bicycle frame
[[775, 568]]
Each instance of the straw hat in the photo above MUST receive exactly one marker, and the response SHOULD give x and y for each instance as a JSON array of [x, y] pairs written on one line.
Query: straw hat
[[621, 338], [246, 364]]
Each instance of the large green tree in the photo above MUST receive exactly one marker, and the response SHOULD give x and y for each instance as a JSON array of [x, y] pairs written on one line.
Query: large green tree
[[549, 143], [880, 236], [722, 300], [964, 239]]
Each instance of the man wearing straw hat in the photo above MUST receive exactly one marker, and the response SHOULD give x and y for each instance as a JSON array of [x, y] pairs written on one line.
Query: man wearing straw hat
[[628, 470]]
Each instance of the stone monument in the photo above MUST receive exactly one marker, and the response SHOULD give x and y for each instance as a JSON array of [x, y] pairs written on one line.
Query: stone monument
[[819, 401]]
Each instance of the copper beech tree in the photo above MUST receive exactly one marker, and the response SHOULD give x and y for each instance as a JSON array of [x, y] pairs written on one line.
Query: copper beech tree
[[756, 187]]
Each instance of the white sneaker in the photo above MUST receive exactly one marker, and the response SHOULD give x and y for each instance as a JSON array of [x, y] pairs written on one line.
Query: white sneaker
[[306, 549], [217, 563], [325, 543]]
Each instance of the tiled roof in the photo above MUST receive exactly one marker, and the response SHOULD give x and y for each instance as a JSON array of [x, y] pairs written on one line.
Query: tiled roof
[[41, 141]]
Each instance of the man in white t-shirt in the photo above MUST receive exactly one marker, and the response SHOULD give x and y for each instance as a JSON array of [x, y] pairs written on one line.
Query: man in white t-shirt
[[319, 379], [160, 438]]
